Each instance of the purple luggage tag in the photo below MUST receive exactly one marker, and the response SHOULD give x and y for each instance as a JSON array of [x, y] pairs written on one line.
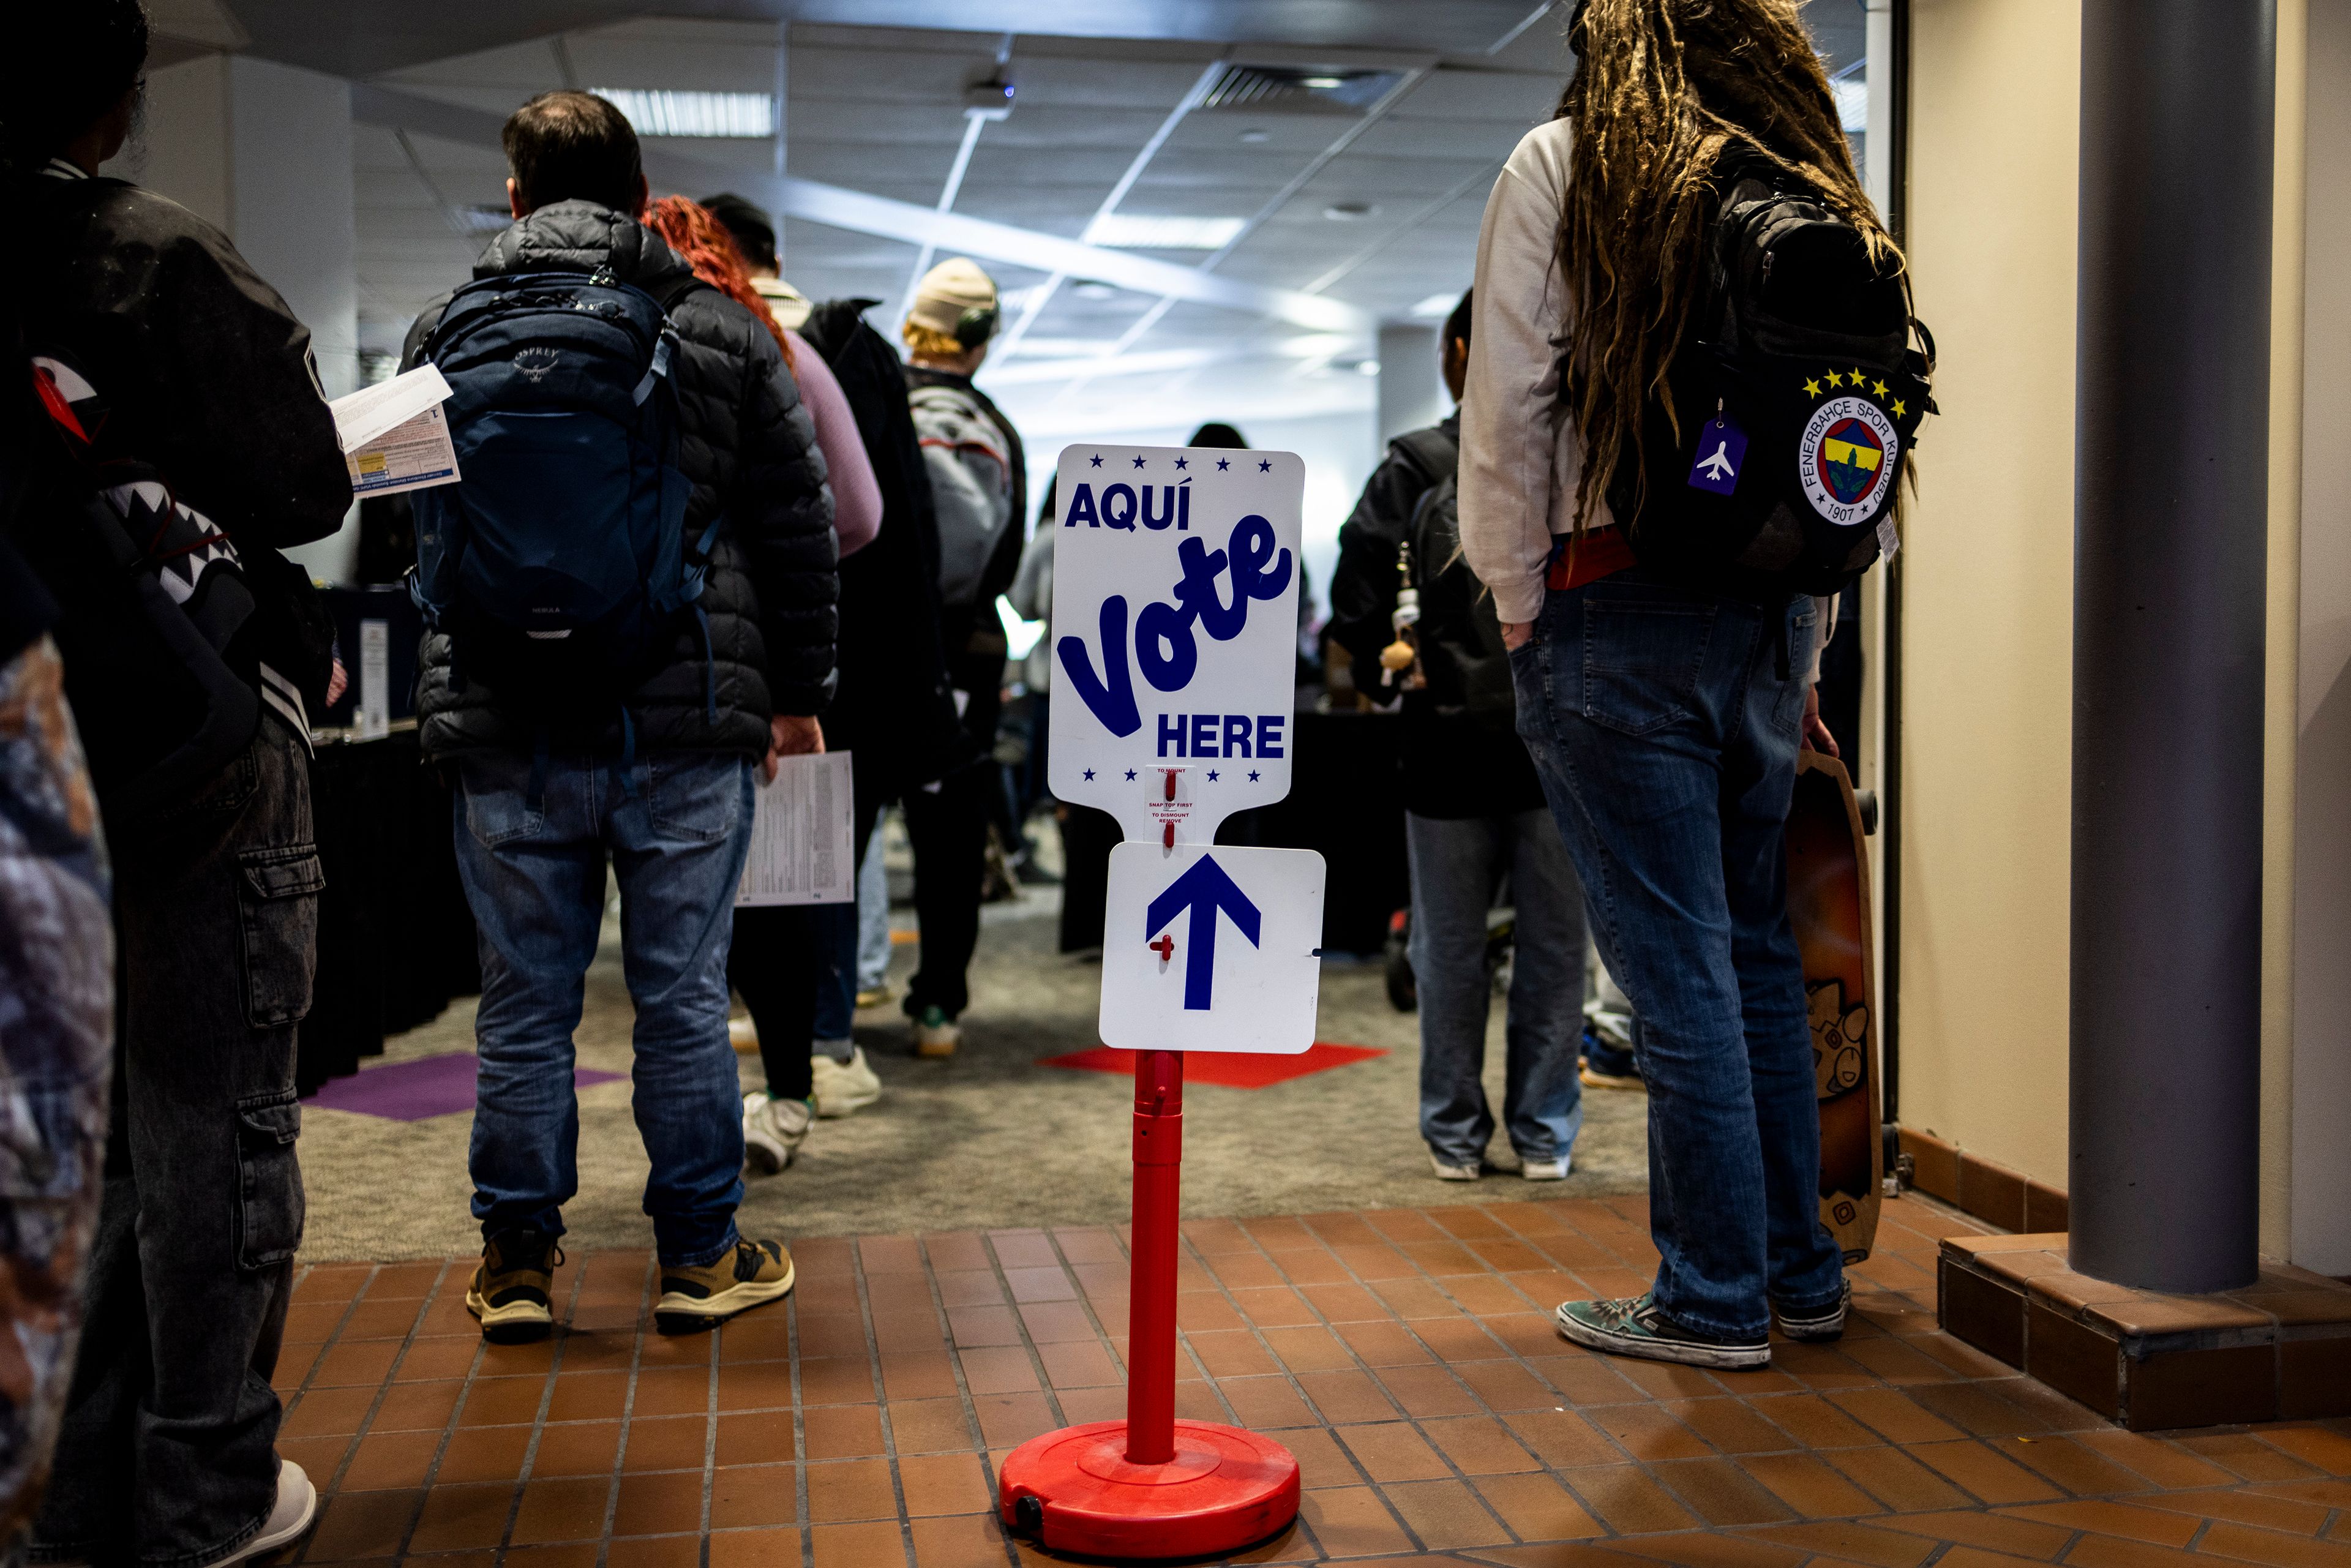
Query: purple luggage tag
[[1721, 454]]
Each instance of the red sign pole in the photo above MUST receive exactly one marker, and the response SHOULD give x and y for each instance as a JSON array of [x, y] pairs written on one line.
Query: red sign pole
[[1151, 1486]]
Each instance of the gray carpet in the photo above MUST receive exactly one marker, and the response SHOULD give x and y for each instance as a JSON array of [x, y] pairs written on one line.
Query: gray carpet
[[989, 1138]]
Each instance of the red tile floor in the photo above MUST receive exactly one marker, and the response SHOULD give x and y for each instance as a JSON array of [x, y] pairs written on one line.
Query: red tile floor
[[1405, 1357]]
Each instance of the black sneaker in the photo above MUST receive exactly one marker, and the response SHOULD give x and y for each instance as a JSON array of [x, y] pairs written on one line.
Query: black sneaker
[[1820, 1325], [1633, 1326], [510, 1285], [696, 1298]]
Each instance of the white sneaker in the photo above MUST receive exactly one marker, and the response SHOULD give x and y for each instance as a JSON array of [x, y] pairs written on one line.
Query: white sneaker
[[844, 1086], [296, 1509], [936, 1034], [1453, 1173], [1547, 1170], [773, 1128]]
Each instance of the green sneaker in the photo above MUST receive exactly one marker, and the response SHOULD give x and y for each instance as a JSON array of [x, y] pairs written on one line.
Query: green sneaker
[[509, 1290], [1633, 1326], [936, 1034]]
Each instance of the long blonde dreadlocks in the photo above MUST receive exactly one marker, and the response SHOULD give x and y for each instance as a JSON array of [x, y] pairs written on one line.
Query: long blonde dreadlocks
[[1664, 88]]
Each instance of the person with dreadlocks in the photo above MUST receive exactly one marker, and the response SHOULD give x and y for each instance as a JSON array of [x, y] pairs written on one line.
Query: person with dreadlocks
[[1664, 719]]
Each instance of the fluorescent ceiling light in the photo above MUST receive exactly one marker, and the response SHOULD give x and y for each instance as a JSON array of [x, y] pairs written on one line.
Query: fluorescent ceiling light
[[657, 112], [1435, 307], [1131, 231], [1033, 346]]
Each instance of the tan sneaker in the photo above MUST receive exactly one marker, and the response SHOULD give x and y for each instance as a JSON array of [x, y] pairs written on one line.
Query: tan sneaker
[[509, 1291], [936, 1034], [696, 1298]]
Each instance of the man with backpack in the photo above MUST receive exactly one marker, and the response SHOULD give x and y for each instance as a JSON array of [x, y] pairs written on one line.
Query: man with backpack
[[630, 608], [1474, 810], [979, 485]]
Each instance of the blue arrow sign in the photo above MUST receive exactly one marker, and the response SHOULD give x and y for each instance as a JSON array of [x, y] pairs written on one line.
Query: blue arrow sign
[[1204, 890]]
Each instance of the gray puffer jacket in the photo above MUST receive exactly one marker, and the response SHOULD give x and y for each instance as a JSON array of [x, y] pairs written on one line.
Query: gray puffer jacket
[[750, 451]]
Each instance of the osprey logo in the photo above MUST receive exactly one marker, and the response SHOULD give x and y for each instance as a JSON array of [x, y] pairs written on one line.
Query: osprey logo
[[534, 363]]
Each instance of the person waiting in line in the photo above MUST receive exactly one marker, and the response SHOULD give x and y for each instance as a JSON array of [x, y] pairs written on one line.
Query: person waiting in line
[[892, 712], [1474, 811], [181, 414], [979, 484], [779, 949], [655, 776], [1664, 719]]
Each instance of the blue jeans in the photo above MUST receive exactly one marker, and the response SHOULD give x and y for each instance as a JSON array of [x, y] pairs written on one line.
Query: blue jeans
[[535, 878], [1664, 724], [1456, 866]]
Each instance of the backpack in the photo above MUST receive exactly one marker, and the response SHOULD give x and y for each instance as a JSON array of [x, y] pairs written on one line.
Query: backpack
[[971, 485], [557, 564], [1797, 395], [1460, 638]]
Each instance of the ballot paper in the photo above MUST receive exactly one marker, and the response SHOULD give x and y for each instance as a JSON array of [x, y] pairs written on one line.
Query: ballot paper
[[394, 435], [799, 835]]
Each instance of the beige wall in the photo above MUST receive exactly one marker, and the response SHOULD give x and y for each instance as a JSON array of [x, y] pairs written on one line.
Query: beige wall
[[1988, 580]]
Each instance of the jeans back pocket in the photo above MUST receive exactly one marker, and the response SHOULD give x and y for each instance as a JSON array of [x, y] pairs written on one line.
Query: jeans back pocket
[[269, 1205], [1641, 660], [277, 905]]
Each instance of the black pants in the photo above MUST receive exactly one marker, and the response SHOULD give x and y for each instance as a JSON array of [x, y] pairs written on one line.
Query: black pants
[[167, 1454], [948, 827], [775, 964]]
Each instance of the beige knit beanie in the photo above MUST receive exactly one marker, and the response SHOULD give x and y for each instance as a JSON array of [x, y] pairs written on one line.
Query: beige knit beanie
[[947, 291]]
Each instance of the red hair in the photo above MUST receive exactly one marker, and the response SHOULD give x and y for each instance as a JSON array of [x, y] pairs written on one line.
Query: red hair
[[704, 244]]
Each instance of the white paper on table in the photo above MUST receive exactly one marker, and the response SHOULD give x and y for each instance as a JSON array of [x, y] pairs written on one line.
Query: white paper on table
[[375, 679], [799, 835], [394, 436]]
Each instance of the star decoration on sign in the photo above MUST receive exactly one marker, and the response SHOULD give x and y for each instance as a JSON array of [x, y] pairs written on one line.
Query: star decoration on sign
[[1097, 459], [1089, 775], [1138, 463], [1130, 775], [1265, 466], [1880, 389], [1253, 775], [1183, 462], [1212, 775], [1223, 463], [1811, 389], [1898, 410], [1835, 380]]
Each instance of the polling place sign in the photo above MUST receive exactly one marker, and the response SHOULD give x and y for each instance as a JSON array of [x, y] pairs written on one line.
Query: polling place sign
[[1175, 585]]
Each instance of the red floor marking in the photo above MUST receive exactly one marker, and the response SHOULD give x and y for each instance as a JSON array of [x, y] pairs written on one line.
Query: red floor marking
[[1225, 1068]]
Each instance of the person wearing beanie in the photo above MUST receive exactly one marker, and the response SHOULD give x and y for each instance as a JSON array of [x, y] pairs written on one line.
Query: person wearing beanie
[[980, 481]]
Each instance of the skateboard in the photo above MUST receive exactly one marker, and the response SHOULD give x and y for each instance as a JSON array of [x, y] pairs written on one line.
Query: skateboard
[[1829, 903]]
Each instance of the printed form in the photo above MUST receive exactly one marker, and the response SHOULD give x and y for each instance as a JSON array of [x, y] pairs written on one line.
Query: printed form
[[799, 835]]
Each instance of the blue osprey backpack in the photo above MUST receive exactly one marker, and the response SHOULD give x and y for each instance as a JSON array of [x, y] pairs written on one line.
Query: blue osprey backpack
[[557, 564]]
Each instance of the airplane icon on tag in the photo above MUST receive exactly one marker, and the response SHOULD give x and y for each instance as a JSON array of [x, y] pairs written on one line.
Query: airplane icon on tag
[[1722, 448]]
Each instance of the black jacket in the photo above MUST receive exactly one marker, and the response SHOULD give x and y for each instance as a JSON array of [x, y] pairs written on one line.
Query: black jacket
[[1452, 765], [203, 376], [750, 450], [894, 710]]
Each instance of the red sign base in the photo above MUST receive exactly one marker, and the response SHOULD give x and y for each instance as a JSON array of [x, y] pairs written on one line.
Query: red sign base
[[1076, 1490]]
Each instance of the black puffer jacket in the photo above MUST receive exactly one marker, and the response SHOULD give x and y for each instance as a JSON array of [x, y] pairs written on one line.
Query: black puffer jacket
[[750, 451]]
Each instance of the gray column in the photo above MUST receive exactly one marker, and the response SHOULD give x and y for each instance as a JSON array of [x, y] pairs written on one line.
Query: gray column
[[2171, 522], [1412, 389]]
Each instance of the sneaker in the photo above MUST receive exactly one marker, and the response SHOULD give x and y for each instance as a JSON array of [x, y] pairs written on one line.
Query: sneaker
[[1596, 1078], [289, 1517], [1547, 1170], [773, 1128], [1633, 1326], [844, 1086], [874, 995], [1451, 1172], [1818, 1326], [696, 1298], [744, 1036], [936, 1034], [1606, 1064], [510, 1287]]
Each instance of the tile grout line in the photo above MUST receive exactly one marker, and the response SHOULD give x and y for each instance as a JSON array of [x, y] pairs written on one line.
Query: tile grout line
[[440, 1450], [1035, 1362], [800, 1428], [383, 1390], [880, 1403], [963, 1386], [556, 1344], [651, 1274], [710, 1438]]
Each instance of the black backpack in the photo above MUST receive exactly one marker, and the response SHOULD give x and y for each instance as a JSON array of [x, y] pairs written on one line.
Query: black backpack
[[1798, 395], [1460, 639]]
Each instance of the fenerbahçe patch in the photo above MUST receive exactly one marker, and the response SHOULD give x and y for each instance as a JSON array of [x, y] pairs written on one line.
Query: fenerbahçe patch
[[1845, 457]]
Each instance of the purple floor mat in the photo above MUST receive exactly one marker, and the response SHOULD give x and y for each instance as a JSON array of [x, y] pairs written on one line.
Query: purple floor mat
[[411, 1091]]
